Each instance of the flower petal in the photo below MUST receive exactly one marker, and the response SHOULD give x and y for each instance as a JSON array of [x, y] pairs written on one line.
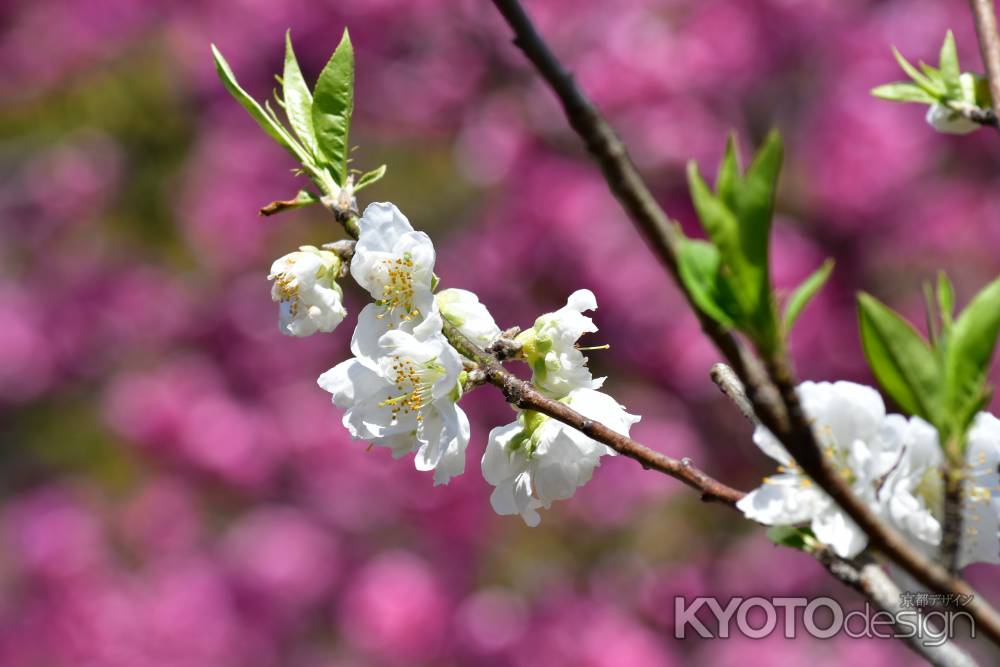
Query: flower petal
[[831, 526]]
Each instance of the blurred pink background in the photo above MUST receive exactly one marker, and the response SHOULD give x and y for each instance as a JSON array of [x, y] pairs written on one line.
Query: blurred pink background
[[175, 490]]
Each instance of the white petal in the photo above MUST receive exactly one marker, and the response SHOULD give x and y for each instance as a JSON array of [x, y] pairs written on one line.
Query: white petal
[[497, 464], [502, 498], [364, 342], [463, 310], [843, 411], [433, 444], [781, 500], [561, 470], [453, 462], [581, 300], [831, 526], [603, 408], [526, 505], [380, 226], [350, 382], [771, 446]]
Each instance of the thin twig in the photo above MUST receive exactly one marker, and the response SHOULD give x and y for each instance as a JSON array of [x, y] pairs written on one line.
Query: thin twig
[[524, 395], [729, 383], [985, 18], [772, 395]]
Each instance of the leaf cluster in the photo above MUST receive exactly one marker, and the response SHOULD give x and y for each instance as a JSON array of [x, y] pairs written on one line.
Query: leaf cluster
[[945, 84], [728, 274], [318, 120], [944, 379]]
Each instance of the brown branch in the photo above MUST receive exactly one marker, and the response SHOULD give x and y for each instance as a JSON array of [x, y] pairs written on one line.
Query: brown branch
[[525, 396], [985, 18], [772, 395]]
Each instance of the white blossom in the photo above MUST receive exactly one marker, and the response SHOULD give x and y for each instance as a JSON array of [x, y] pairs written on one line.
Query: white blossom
[[395, 264], [403, 397], [949, 121], [462, 309], [912, 496], [305, 288], [537, 460], [913, 488], [848, 421], [558, 366]]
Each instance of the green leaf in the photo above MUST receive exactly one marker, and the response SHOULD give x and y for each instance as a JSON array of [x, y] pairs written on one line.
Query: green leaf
[[903, 91], [946, 301], [370, 177], [699, 263], [804, 293], [801, 539], [901, 360], [929, 86], [297, 98], [728, 179], [303, 198], [932, 73], [718, 221], [970, 348], [266, 121], [333, 105], [756, 199], [948, 62]]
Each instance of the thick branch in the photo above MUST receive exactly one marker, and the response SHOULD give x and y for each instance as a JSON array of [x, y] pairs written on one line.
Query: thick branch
[[782, 414], [989, 46]]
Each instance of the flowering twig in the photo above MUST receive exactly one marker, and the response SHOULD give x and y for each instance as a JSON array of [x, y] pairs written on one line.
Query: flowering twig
[[985, 18], [772, 396], [524, 395]]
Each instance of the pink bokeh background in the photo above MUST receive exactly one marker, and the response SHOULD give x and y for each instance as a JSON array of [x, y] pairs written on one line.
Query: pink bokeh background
[[175, 490]]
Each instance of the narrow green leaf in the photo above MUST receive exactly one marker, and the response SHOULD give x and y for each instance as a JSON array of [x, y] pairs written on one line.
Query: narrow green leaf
[[804, 293], [297, 98], [333, 105], [931, 316], [728, 178], [756, 199], [929, 86], [970, 348], [303, 198], [900, 359], [699, 263], [267, 122], [948, 62], [946, 300], [718, 221], [932, 73], [903, 91], [370, 177]]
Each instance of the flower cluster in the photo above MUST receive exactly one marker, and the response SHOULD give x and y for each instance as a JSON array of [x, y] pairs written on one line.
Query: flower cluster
[[893, 463], [402, 386]]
